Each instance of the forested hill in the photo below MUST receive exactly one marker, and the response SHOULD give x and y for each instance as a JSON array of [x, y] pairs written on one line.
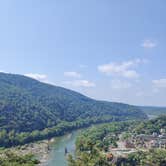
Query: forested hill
[[150, 110], [27, 105], [153, 125]]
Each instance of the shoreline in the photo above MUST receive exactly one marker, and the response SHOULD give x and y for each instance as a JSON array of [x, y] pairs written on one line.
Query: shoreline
[[39, 149]]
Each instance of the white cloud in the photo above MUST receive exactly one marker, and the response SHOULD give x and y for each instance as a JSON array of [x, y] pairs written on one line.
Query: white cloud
[[161, 83], [80, 83], [130, 74], [72, 74], [148, 44], [119, 84], [40, 77], [124, 69], [2, 71]]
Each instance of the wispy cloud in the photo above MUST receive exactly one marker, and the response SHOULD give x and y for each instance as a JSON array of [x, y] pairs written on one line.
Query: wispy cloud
[[124, 69], [72, 74], [80, 83], [148, 44], [39, 77], [2, 71], [160, 83]]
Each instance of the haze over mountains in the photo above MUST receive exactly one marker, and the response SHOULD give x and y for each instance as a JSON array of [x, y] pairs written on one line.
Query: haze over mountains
[[152, 110]]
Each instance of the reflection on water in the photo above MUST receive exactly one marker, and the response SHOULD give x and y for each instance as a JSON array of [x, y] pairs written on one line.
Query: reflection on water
[[57, 154]]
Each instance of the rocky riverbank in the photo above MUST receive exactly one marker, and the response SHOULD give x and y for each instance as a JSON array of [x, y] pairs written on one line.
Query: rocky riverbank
[[39, 149]]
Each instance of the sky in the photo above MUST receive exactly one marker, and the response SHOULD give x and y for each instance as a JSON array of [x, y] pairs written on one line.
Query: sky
[[106, 49]]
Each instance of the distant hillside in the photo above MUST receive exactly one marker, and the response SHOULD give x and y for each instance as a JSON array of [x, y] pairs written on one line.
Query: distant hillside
[[154, 125], [150, 110], [27, 105]]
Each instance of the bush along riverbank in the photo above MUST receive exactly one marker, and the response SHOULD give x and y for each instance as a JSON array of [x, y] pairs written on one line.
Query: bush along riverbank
[[13, 138], [26, 155], [10, 158]]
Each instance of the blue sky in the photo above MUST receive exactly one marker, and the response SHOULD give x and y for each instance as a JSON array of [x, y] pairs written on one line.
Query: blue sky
[[106, 49]]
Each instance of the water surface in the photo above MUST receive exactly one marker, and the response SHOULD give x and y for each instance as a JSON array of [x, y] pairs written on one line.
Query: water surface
[[57, 154]]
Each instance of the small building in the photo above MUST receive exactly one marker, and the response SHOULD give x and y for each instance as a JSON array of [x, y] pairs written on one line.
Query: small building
[[162, 143], [109, 156], [154, 134], [153, 144], [162, 130]]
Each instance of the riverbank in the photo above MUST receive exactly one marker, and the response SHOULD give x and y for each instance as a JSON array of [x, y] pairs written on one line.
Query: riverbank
[[48, 152], [40, 150]]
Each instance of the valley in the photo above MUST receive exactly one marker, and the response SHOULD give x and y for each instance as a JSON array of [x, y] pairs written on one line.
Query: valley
[[82, 83], [36, 119], [31, 110]]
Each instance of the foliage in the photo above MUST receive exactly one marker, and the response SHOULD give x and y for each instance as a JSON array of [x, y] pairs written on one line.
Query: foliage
[[152, 157], [8, 158], [153, 110], [31, 110], [92, 144], [154, 125], [96, 141]]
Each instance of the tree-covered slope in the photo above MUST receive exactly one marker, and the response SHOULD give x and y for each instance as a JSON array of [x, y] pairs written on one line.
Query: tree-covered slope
[[153, 125], [150, 110], [27, 105]]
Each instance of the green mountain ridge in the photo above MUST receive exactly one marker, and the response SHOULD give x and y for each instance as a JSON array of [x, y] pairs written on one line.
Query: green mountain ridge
[[153, 110], [27, 105]]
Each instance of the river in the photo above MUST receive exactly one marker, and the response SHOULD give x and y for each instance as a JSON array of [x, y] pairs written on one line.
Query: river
[[57, 153], [56, 156]]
